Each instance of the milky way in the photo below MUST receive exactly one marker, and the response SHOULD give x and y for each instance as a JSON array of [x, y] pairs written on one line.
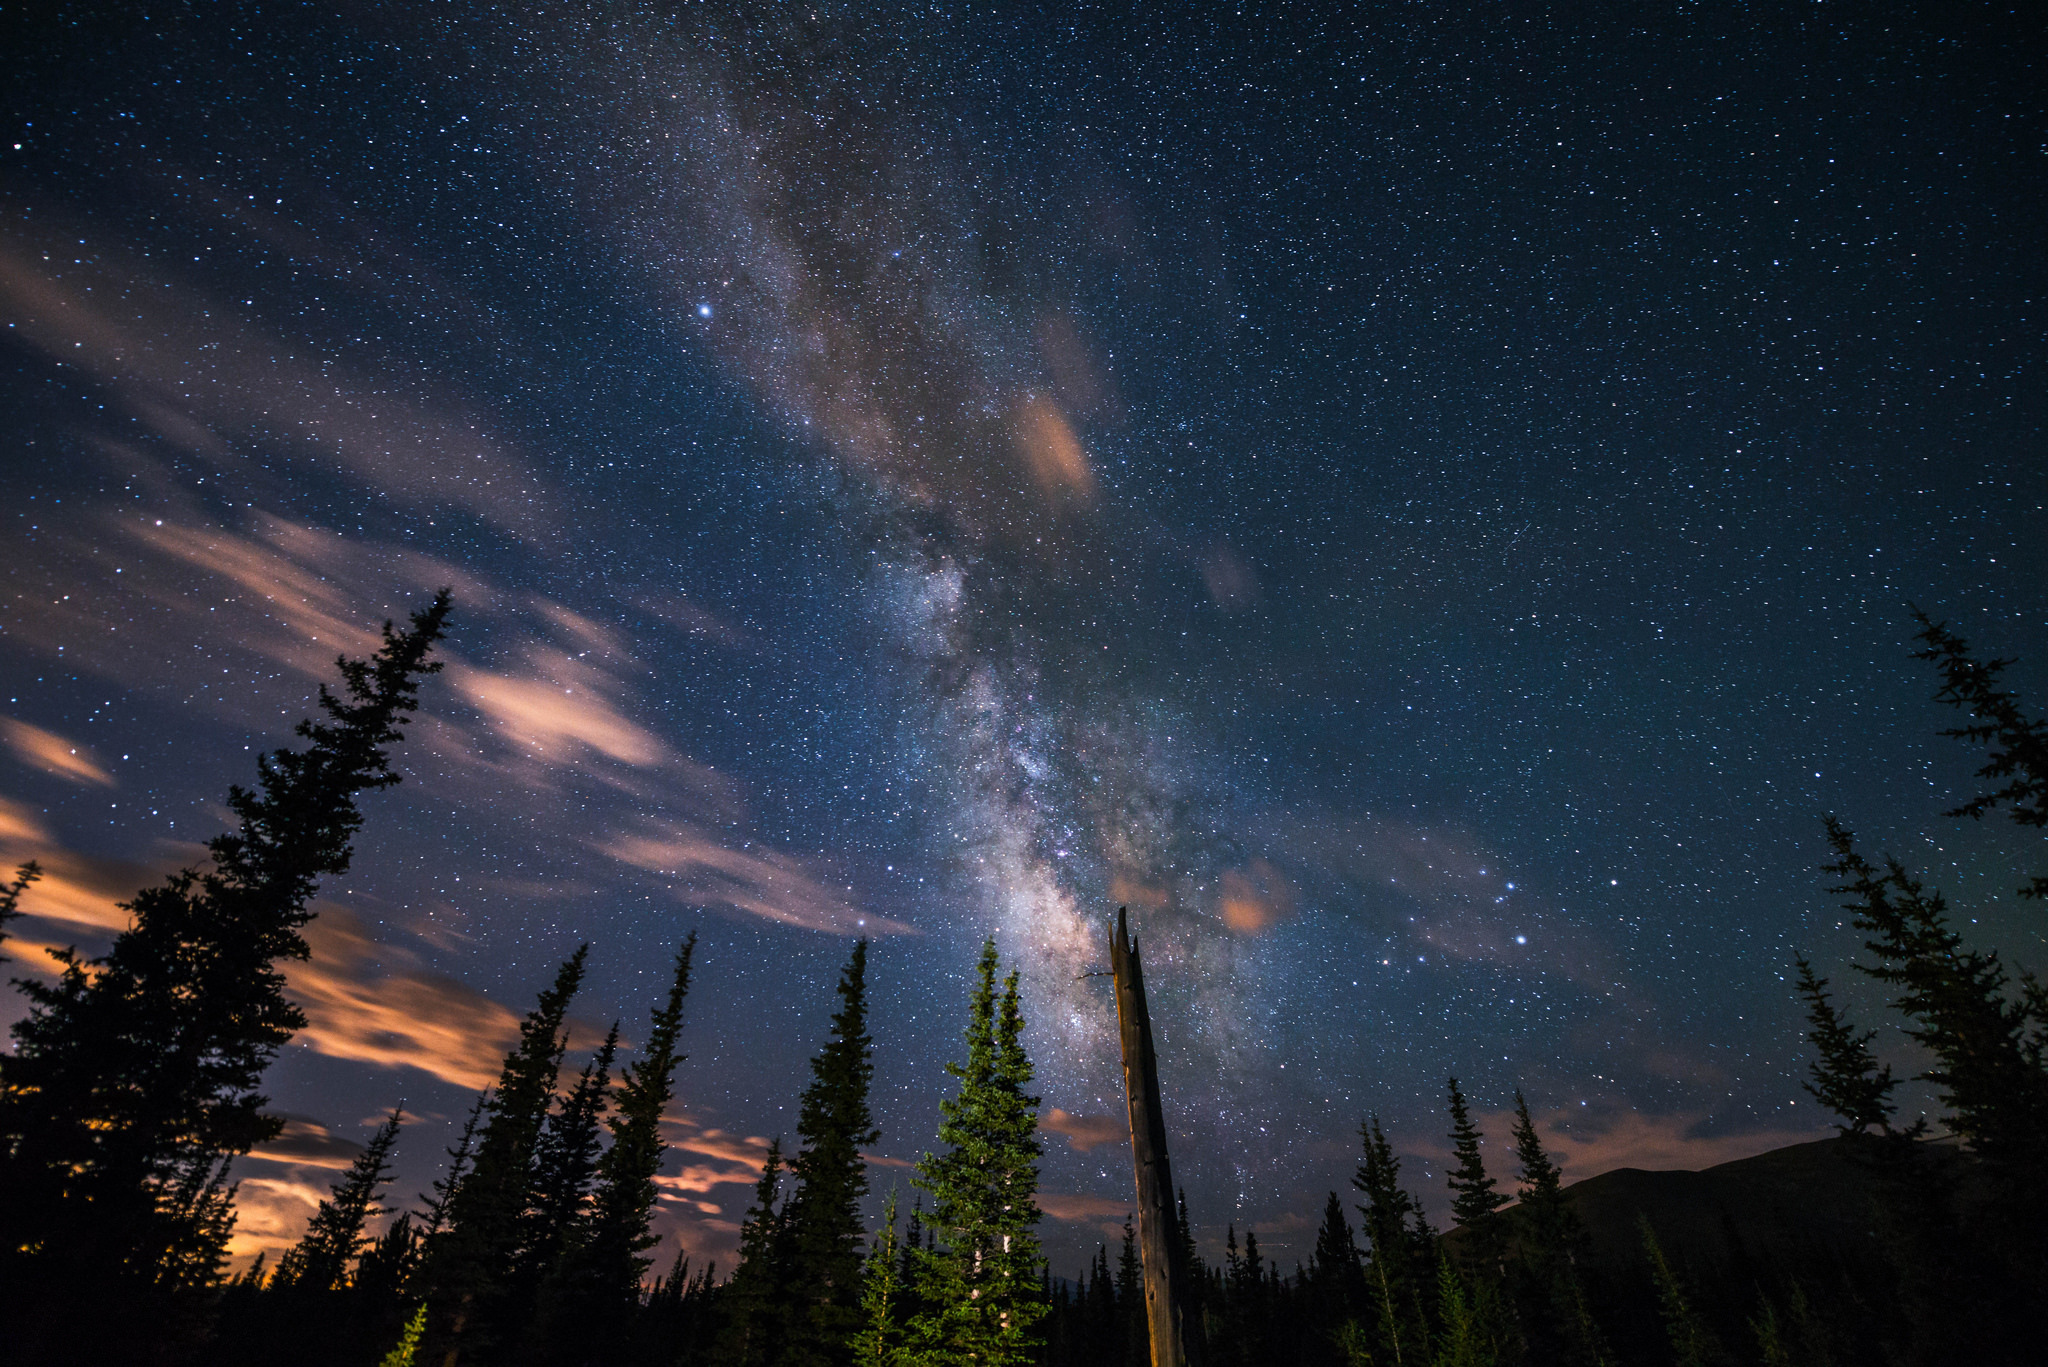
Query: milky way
[[1420, 506]]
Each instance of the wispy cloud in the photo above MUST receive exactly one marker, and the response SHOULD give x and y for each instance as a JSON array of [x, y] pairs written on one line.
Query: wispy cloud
[[1085, 1132], [359, 1007], [754, 879], [52, 753]]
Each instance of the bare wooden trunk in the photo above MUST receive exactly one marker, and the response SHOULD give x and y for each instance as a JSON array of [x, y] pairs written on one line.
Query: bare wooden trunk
[[1158, 1239]]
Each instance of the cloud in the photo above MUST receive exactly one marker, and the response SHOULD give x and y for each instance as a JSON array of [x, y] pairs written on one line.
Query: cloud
[[305, 1142], [19, 826], [1252, 900], [50, 752], [405, 1018], [556, 721], [1085, 1132], [1083, 1209], [1586, 1142], [755, 879], [271, 1214], [1052, 452], [1232, 585]]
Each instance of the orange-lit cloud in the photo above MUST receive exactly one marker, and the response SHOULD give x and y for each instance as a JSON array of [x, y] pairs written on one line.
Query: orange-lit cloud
[[758, 880], [1085, 1132], [1077, 1209], [271, 1213], [19, 826], [1129, 892], [50, 752], [1052, 453], [556, 721], [307, 1143], [357, 1009], [1254, 899]]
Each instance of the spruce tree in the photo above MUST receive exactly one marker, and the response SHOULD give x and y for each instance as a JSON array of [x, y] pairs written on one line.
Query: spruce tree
[[2018, 743], [1134, 1333], [10, 896], [980, 1288], [469, 1262], [834, 1123], [752, 1334], [1473, 1198], [1847, 1078], [879, 1341], [1692, 1343], [132, 1085], [564, 1164], [1391, 1268], [1552, 1242], [589, 1304], [1987, 1046], [320, 1261], [442, 1190]]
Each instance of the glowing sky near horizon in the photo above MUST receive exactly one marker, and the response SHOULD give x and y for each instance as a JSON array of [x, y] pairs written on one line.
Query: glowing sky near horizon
[[1422, 507]]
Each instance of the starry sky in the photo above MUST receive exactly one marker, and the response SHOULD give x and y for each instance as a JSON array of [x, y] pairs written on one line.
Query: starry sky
[[1418, 501]]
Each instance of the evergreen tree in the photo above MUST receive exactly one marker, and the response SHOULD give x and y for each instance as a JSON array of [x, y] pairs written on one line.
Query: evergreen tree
[[2018, 744], [824, 1217], [442, 1192], [589, 1304], [616, 1253], [1334, 1269], [1463, 1341], [1692, 1343], [879, 1341], [131, 1087], [1390, 1263], [1553, 1239], [320, 1261], [1987, 1047], [1847, 1079], [565, 1161], [980, 1291], [752, 1334], [385, 1273], [10, 896], [468, 1262], [403, 1353], [1473, 1198], [1133, 1331]]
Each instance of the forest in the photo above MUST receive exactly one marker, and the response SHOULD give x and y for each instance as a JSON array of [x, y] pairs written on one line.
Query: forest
[[134, 1084]]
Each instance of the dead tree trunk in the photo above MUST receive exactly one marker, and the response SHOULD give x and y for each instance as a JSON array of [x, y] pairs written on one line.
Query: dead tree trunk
[[1159, 1243]]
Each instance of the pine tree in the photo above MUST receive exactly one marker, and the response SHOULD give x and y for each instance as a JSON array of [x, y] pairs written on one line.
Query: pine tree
[[1390, 1262], [1134, 1334], [10, 896], [384, 1274], [408, 1344], [564, 1164], [2019, 744], [442, 1191], [1847, 1079], [1692, 1343], [1988, 1048], [1473, 1198], [824, 1217], [132, 1084], [752, 1335], [1553, 1240], [590, 1301], [320, 1261], [468, 1262], [1463, 1341], [980, 1288], [879, 1340]]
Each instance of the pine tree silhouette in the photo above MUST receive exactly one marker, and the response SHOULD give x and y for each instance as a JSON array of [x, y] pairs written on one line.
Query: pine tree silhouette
[[879, 1340], [10, 896], [589, 1305], [1391, 1271], [320, 1261], [132, 1085], [1847, 1078], [1473, 1198], [564, 1166], [752, 1336], [824, 1215], [470, 1259], [2018, 743]]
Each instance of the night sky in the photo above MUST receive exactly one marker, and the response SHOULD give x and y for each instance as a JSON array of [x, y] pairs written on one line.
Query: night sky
[[1420, 502]]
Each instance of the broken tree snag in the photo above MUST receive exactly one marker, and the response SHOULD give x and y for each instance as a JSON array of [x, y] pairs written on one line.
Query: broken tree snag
[[1158, 1240]]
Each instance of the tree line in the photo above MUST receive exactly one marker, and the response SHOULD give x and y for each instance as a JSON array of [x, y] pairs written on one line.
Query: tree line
[[135, 1079]]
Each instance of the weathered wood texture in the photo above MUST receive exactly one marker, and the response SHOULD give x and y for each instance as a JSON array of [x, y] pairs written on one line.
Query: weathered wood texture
[[1158, 1239]]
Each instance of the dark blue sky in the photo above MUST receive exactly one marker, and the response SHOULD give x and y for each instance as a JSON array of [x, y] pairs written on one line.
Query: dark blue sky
[[1421, 502]]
